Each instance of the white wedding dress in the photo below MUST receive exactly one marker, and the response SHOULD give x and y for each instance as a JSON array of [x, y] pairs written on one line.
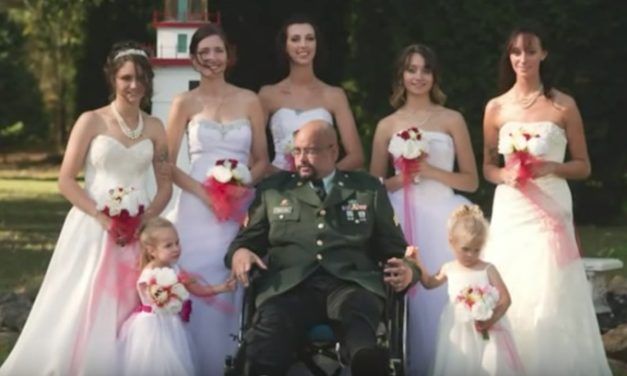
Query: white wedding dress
[[66, 308], [284, 122], [552, 315], [430, 204], [204, 241]]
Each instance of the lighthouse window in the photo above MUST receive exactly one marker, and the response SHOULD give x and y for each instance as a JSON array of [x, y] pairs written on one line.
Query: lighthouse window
[[181, 43]]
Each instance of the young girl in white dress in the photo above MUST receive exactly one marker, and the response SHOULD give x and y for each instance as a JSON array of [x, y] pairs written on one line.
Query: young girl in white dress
[[154, 340], [477, 340]]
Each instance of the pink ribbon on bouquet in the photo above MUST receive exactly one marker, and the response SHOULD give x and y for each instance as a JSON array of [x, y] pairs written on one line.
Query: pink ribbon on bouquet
[[406, 167], [116, 276], [505, 342], [549, 211]]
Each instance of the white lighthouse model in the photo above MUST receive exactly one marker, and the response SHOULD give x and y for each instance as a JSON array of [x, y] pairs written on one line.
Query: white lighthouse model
[[173, 69]]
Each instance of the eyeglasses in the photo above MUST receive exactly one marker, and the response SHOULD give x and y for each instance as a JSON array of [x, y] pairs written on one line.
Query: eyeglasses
[[310, 151]]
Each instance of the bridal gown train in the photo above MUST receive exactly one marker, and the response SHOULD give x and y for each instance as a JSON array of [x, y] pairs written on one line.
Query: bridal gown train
[[66, 308], [552, 314], [204, 242], [430, 204]]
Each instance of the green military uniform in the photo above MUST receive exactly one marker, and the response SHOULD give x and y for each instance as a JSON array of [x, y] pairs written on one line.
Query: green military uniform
[[349, 234]]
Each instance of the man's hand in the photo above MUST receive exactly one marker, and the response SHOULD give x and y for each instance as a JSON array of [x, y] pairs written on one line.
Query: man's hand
[[243, 260], [397, 274]]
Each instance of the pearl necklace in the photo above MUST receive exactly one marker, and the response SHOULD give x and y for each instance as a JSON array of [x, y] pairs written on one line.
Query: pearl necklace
[[133, 134], [529, 99]]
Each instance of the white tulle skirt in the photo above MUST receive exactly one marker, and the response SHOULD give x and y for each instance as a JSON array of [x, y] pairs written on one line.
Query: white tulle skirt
[[155, 344]]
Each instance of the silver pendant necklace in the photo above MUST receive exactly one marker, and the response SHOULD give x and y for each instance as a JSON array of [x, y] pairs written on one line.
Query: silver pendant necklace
[[133, 134], [528, 100]]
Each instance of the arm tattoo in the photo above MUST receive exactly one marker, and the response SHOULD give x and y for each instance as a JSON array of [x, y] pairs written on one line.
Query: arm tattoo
[[162, 156]]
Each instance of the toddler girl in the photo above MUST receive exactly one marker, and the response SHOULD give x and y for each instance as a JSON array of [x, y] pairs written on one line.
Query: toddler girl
[[474, 336], [154, 340]]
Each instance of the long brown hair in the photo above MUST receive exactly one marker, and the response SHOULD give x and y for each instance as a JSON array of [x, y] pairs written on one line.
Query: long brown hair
[[399, 94], [283, 59], [143, 68], [208, 31], [146, 237], [507, 77]]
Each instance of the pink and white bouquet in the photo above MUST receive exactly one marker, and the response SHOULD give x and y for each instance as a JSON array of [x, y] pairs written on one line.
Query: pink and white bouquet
[[523, 148], [477, 303], [167, 291], [123, 205], [227, 186], [406, 148]]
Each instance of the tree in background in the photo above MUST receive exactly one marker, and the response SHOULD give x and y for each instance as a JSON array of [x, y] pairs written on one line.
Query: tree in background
[[54, 33], [21, 114]]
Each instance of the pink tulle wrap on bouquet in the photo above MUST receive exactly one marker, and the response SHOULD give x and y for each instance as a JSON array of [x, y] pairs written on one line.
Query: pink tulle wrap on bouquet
[[226, 186], [553, 217]]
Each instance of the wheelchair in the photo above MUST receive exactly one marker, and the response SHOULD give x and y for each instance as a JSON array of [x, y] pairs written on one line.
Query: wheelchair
[[321, 354]]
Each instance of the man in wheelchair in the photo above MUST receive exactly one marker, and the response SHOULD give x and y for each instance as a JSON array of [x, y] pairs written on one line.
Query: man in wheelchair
[[324, 234]]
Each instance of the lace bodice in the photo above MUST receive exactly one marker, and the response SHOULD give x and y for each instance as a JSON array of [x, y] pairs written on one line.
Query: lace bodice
[[284, 122], [553, 134], [110, 164], [210, 141]]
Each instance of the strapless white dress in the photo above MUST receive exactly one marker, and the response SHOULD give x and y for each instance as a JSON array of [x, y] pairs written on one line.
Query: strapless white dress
[[284, 122], [552, 315], [49, 339], [431, 203], [204, 241]]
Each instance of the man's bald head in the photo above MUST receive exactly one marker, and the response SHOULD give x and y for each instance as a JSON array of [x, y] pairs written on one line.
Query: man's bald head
[[318, 131], [315, 149]]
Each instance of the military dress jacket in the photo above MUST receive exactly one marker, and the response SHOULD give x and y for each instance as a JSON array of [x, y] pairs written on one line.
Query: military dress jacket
[[350, 234]]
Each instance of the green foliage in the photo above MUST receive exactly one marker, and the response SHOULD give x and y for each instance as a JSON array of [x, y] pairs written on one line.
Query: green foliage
[[54, 32], [21, 111]]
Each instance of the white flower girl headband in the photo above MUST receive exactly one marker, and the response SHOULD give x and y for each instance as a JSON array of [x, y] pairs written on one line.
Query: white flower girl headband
[[130, 51]]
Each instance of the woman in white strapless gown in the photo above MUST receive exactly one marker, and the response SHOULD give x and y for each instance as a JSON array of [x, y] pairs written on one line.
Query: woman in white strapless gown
[[552, 315], [424, 205], [73, 323], [302, 97], [222, 121]]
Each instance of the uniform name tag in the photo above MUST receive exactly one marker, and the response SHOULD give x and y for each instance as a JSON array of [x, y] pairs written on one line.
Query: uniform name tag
[[282, 210]]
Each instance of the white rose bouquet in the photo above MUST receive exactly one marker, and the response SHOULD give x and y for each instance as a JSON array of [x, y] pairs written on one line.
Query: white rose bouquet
[[477, 303], [524, 148], [122, 205], [227, 186], [167, 291], [406, 148]]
